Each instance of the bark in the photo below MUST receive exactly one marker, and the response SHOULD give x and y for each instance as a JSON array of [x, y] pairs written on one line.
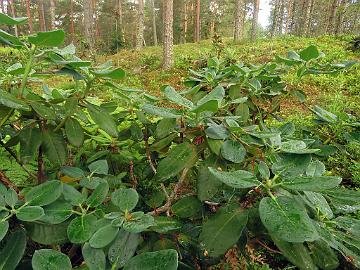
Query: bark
[[168, 33], [197, 22], [185, 22], [28, 14], [255, 19], [89, 23], [140, 26], [289, 16], [2, 6], [153, 16], [121, 21], [12, 9], [281, 17], [238, 20], [41, 11], [308, 13], [274, 27], [343, 5], [52, 14], [71, 17], [332, 15]]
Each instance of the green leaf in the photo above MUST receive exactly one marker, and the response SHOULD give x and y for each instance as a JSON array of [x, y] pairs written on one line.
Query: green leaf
[[264, 170], [166, 225], [210, 106], [103, 236], [318, 203], [159, 260], [45, 193], [72, 195], [46, 234], [233, 151], [181, 156], [94, 258], [103, 119], [308, 183], [45, 259], [43, 111], [8, 100], [30, 213], [5, 19], [162, 112], [4, 227], [13, 251], [11, 197], [207, 184], [165, 127], [81, 229], [99, 167], [172, 95], [309, 53], [114, 74], [48, 39], [296, 147], [296, 253], [123, 248], [54, 147], [74, 132], [323, 255], [217, 132], [291, 164], [324, 115], [222, 231], [10, 40], [57, 212], [287, 220], [187, 207], [30, 141], [138, 222], [316, 168], [217, 94], [98, 195], [236, 179], [125, 198]]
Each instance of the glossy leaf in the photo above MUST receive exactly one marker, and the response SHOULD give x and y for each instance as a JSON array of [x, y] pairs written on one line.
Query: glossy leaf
[[236, 179], [287, 220], [74, 132], [30, 213], [7, 20], [45, 259], [45, 193], [48, 39], [103, 236], [159, 260]]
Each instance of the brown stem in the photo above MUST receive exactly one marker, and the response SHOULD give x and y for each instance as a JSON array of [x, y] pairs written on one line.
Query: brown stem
[[173, 196], [41, 177], [132, 175], [6, 181], [182, 126], [147, 149]]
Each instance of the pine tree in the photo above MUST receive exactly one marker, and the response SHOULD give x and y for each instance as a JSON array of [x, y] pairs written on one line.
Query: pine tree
[[168, 33], [255, 19], [140, 25]]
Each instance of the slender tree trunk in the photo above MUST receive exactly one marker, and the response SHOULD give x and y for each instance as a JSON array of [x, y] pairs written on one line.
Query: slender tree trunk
[[238, 20], [140, 26], [274, 26], [197, 21], [41, 11], [332, 15], [307, 19], [121, 21], [96, 20], [289, 14], [255, 19], [168, 33], [71, 17], [28, 14], [153, 17], [281, 17], [89, 23], [185, 22], [2, 6], [52, 14], [12, 9], [343, 5]]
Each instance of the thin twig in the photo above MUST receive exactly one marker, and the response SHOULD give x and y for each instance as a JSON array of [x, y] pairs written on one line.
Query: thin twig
[[6, 181], [173, 196], [148, 154], [132, 175]]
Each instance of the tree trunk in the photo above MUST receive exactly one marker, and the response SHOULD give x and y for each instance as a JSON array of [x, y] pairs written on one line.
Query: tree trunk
[[28, 14], [238, 20], [71, 17], [89, 23], [140, 26], [307, 20], [12, 9], [197, 22], [343, 5], [168, 33], [332, 14], [121, 21], [255, 19], [281, 17], [41, 11], [289, 16], [52, 14], [274, 26], [185, 22], [153, 17]]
